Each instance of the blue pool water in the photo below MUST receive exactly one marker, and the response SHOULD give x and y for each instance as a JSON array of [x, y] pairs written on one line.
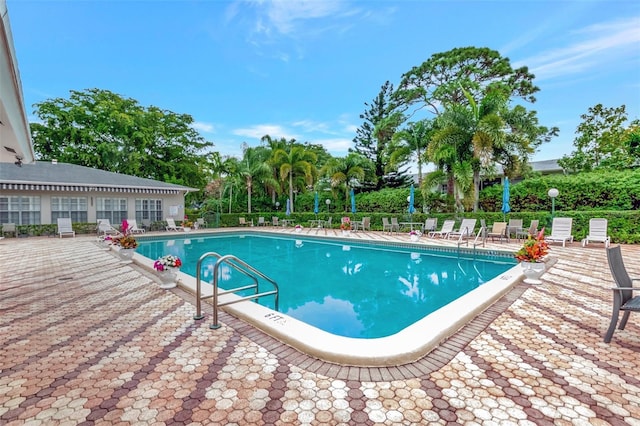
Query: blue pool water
[[349, 289]]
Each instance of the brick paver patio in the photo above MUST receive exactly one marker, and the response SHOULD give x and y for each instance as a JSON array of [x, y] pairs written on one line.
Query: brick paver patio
[[86, 339]]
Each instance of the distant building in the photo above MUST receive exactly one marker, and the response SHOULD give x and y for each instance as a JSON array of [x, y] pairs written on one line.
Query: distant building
[[42, 192], [545, 167]]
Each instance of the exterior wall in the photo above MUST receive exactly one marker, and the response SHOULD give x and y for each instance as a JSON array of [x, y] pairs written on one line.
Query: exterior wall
[[168, 201]]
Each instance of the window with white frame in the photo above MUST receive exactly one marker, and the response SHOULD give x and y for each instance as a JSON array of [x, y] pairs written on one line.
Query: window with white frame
[[150, 209], [114, 209], [72, 207], [20, 210]]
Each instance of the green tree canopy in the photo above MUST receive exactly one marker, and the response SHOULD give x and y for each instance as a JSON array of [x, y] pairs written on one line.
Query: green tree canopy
[[603, 141], [100, 129]]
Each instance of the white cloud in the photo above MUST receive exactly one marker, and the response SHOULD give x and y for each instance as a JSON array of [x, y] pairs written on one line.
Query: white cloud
[[312, 126], [203, 127], [337, 146], [601, 44], [260, 130]]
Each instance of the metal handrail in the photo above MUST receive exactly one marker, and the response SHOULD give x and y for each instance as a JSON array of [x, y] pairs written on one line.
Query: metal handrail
[[240, 266], [481, 234], [462, 234]]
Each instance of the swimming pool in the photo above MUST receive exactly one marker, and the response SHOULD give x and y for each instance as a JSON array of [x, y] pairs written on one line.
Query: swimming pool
[[408, 345], [357, 290]]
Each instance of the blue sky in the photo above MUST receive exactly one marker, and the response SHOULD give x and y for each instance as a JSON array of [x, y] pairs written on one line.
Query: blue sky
[[304, 69]]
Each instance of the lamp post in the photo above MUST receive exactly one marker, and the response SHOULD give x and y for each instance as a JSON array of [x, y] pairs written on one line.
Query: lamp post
[[277, 205], [328, 202], [553, 193]]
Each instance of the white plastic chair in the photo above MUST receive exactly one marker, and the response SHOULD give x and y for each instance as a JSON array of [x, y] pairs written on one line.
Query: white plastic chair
[[597, 232], [561, 231]]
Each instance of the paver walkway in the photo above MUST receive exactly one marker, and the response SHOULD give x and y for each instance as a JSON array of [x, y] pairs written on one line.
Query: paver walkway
[[85, 339]]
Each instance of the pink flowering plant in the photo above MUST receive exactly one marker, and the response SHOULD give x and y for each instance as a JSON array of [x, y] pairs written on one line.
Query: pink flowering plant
[[168, 261], [414, 232]]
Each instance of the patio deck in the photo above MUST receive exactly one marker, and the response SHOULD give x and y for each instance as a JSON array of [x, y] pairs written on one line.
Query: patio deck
[[88, 340]]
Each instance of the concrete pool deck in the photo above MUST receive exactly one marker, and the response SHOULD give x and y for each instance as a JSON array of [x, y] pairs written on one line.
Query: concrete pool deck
[[86, 339]]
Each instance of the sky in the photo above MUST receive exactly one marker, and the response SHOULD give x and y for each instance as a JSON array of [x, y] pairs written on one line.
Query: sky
[[304, 69]]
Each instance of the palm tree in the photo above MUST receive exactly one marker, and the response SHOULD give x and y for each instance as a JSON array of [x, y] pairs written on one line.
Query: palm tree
[[473, 131], [297, 166], [254, 168], [346, 172], [411, 142]]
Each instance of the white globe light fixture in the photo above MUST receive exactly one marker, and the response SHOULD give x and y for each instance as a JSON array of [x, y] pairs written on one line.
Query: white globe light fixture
[[328, 202], [553, 193]]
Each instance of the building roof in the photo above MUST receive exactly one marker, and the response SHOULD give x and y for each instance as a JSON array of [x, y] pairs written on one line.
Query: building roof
[[46, 174], [15, 136]]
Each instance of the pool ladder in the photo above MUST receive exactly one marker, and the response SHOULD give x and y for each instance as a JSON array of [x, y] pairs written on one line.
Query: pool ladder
[[239, 266]]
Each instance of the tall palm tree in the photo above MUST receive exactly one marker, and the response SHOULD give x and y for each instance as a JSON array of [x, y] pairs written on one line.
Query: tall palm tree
[[411, 143], [346, 172], [297, 166], [473, 130], [254, 168]]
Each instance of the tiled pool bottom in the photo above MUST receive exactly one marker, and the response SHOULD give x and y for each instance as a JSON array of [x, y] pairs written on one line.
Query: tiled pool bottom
[[405, 346], [108, 346]]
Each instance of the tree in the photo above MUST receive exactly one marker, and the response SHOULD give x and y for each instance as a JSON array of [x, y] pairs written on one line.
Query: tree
[[297, 166], [254, 167], [440, 80], [601, 141], [100, 129], [411, 143], [346, 173], [381, 123]]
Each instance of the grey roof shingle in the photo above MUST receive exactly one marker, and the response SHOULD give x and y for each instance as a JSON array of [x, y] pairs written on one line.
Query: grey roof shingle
[[44, 172]]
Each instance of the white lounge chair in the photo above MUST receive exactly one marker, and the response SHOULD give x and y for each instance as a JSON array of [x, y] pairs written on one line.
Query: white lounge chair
[[105, 228], [65, 227], [430, 225], [261, 221], [467, 229], [133, 227], [171, 225], [447, 227], [597, 232], [560, 231]]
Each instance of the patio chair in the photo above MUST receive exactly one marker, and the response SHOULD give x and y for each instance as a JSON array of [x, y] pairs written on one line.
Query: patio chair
[[261, 221], [171, 225], [274, 221], [105, 228], [498, 230], [597, 232], [9, 228], [65, 227], [467, 229], [242, 221], [395, 226], [326, 224], [200, 223], [447, 227], [430, 225], [386, 225], [514, 226], [560, 231], [623, 299], [146, 224], [531, 230], [365, 225], [133, 227]]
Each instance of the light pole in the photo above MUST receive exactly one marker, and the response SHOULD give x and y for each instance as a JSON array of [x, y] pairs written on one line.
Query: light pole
[[553, 193], [328, 202], [277, 205]]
